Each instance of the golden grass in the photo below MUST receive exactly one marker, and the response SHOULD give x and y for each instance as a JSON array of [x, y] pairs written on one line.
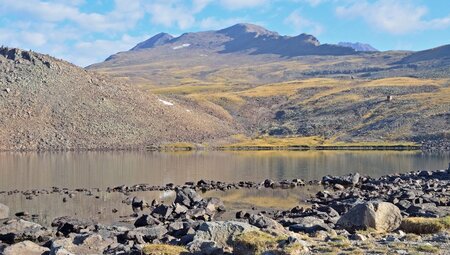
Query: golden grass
[[418, 225], [163, 249], [190, 89], [256, 242], [270, 142], [178, 146], [428, 248]]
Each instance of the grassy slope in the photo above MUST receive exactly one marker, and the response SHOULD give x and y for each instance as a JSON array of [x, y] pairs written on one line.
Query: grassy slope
[[326, 97]]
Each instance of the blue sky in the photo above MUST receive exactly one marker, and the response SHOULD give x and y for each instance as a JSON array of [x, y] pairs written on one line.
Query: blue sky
[[87, 31]]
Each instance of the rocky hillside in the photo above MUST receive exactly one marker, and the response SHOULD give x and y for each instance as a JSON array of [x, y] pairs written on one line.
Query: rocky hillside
[[48, 104]]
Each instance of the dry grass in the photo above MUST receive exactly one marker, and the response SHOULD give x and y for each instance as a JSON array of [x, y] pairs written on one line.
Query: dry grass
[[256, 242], [419, 225], [428, 248], [163, 249]]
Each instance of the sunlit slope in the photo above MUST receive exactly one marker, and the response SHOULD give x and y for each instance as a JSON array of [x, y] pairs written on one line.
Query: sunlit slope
[[330, 111]]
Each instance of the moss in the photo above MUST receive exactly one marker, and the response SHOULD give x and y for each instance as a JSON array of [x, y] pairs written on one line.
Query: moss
[[163, 249], [256, 242], [427, 248], [418, 225]]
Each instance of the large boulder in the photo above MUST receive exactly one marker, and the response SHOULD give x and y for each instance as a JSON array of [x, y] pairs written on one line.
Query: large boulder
[[223, 233], [25, 247], [4, 212], [187, 197], [267, 224], [309, 225], [80, 244], [381, 216], [17, 230]]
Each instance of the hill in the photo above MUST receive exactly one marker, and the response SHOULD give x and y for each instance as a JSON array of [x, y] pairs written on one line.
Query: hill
[[49, 104], [320, 98]]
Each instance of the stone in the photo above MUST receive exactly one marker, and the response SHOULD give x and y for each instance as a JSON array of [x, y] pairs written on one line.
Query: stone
[[222, 232], [163, 210], [214, 204], [267, 224], [146, 220], [80, 244], [17, 230], [67, 224], [180, 209], [187, 197], [204, 247], [4, 212], [151, 233], [309, 225], [381, 216], [358, 237], [25, 247]]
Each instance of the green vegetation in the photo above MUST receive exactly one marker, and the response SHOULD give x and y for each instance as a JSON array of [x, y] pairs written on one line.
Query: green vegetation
[[419, 225], [163, 249], [428, 248], [258, 242]]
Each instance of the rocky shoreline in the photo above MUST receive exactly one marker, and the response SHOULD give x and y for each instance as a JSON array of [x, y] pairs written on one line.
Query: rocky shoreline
[[395, 214]]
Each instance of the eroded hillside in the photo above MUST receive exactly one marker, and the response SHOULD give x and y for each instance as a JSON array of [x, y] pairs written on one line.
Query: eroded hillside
[[47, 104]]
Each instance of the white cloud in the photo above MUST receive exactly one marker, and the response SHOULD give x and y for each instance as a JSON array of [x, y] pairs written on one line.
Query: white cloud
[[395, 17], [241, 4], [301, 24]]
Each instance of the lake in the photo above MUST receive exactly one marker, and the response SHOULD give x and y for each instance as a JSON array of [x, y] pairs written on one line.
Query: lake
[[72, 170]]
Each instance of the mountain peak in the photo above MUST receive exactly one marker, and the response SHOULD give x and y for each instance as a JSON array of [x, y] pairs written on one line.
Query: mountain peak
[[358, 46], [247, 28], [154, 41]]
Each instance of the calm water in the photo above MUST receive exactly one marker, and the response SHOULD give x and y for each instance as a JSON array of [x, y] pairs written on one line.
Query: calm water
[[25, 171]]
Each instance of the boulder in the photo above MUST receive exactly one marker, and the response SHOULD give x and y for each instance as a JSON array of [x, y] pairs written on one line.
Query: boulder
[[222, 232], [25, 247], [381, 216], [146, 220], [204, 247], [309, 225], [67, 224], [267, 224], [187, 197], [17, 230], [4, 212], [152, 233], [80, 244]]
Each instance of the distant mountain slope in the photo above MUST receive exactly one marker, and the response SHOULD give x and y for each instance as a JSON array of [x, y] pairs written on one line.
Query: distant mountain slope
[[246, 38], [157, 40], [48, 104], [441, 53], [358, 46]]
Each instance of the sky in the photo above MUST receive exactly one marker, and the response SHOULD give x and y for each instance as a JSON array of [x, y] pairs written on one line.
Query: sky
[[88, 31]]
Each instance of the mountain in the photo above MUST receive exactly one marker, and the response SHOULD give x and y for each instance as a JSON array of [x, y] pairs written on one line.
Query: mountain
[[49, 104], [246, 38], [157, 40], [441, 54], [358, 46]]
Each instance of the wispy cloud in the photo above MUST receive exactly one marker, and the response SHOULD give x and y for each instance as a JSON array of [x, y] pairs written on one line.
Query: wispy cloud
[[395, 17], [301, 24]]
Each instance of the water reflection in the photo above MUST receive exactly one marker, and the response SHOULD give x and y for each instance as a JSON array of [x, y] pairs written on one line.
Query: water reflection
[[105, 169]]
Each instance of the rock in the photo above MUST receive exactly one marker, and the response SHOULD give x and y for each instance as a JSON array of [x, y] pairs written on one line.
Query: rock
[[180, 209], [80, 244], [67, 225], [358, 237], [309, 225], [4, 212], [381, 216], [138, 202], [25, 247], [146, 220], [204, 247], [214, 204], [163, 210], [242, 215], [17, 230], [267, 224], [152, 233], [222, 232], [187, 197]]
